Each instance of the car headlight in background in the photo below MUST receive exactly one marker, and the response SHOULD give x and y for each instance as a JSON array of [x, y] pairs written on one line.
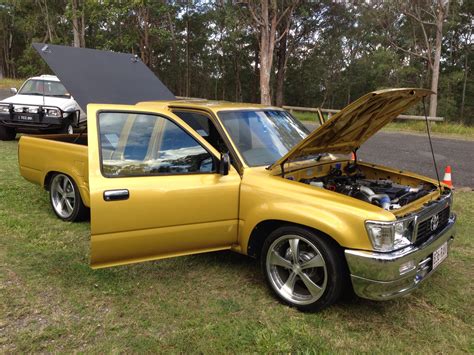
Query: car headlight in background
[[52, 112], [390, 236], [4, 108]]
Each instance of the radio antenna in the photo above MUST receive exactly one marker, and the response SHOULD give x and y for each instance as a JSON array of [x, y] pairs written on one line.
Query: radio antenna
[[43, 91], [431, 144]]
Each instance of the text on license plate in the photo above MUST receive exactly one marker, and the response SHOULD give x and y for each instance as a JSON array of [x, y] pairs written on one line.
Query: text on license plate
[[440, 254], [25, 118]]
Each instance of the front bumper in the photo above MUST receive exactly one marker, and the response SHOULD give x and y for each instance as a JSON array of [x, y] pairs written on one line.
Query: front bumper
[[37, 120], [383, 276], [47, 124]]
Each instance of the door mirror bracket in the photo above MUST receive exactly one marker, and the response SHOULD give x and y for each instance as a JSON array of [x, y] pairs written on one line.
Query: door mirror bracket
[[224, 164], [13, 91]]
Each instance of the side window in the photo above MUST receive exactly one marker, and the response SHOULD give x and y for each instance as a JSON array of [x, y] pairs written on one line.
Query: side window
[[111, 126], [139, 137], [140, 145]]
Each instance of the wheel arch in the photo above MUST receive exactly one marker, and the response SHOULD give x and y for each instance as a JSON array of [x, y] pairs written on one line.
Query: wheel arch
[[71, 116], [82, 191], [261, 231], [47, 179]]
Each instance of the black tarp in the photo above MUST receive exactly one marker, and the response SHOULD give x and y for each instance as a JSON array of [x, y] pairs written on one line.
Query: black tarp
[[95, 76]]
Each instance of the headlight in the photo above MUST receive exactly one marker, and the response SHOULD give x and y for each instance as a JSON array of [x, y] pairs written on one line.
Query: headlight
[[390, 236], [53, 112], [4, 108]]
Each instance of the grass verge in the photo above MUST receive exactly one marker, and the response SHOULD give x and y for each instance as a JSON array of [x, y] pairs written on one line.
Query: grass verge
[[441, 128], [51, 301], [444, 128], [11, 83]]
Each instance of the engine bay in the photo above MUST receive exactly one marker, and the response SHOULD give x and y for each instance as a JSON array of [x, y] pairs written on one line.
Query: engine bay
[[388, 191]]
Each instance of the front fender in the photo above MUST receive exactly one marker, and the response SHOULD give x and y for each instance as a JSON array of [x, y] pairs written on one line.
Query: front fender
[[274, 198]]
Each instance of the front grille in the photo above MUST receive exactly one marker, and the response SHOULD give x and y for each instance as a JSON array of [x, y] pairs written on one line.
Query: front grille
[[424, 231]]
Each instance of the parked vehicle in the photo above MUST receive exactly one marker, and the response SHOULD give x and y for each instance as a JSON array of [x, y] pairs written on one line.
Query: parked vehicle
[[41, 104], [171, 178]]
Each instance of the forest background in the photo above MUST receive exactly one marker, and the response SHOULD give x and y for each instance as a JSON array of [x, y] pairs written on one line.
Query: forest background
[[294, 52]]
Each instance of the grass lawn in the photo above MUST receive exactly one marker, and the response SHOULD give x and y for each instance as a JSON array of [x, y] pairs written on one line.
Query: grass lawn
[[50, 300], [441, 128]]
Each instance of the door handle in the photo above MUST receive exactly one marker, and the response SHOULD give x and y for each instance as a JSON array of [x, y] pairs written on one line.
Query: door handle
[[116, 195]]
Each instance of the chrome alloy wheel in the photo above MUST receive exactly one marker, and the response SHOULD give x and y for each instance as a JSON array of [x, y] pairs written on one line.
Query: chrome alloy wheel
[[70, 129], [296, 269], [63, 196]]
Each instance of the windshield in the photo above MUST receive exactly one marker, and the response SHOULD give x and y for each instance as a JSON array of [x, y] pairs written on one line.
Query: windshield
[[263, 137], [43, 87]]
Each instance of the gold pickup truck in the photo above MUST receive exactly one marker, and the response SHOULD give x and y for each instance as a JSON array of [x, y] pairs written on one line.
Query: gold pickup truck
[[170, 178]]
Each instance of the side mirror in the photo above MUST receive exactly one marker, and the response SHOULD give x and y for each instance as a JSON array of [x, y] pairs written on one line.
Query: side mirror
[[14, 91], [224, 164]]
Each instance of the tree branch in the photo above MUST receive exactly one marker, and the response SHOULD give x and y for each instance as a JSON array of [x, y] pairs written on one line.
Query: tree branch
[[418, 19], [407, 51], [254, 15], [432, 15]]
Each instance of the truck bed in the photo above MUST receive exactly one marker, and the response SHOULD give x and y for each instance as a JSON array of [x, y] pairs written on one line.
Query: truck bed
[[40, 157]]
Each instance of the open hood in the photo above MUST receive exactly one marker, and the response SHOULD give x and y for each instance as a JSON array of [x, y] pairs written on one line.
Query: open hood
[[353, 125], [103, 77]]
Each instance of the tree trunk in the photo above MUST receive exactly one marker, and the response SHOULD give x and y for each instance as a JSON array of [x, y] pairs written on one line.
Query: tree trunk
[[175, 63], [267, 45], [78, 23], [265, 97], [268, 16], [437, 57], [49, 29], [255, 83], [265, 75], [188, 80], [238, 82], [463, 99], [75, 24], [83, 26], [143, 18], [280, 78]]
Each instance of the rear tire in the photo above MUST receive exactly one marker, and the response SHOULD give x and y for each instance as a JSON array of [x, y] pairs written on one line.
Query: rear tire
[[303, 269], [66, 200], [7, 133]]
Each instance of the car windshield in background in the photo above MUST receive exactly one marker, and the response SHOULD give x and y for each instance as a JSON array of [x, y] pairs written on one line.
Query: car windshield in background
[[43, 87], [263, 136]]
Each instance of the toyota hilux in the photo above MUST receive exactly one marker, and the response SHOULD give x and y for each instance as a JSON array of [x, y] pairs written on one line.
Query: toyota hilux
[[169, 178]]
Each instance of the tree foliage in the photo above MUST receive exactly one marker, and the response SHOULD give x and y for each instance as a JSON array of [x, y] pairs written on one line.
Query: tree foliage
[[324, 53]]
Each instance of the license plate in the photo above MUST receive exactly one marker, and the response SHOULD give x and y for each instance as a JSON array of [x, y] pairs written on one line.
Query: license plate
[[440, 254], [24, 118]]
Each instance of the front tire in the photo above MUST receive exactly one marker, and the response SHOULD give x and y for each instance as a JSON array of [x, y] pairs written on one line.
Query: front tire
[[303, 269], [65, 199], [7, 133], [67, 129]]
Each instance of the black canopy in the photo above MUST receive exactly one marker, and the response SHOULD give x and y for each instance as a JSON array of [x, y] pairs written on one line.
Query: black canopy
[[95, 76]]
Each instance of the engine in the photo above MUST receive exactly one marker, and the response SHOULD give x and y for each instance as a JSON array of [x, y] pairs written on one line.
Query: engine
[[382, 192]]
